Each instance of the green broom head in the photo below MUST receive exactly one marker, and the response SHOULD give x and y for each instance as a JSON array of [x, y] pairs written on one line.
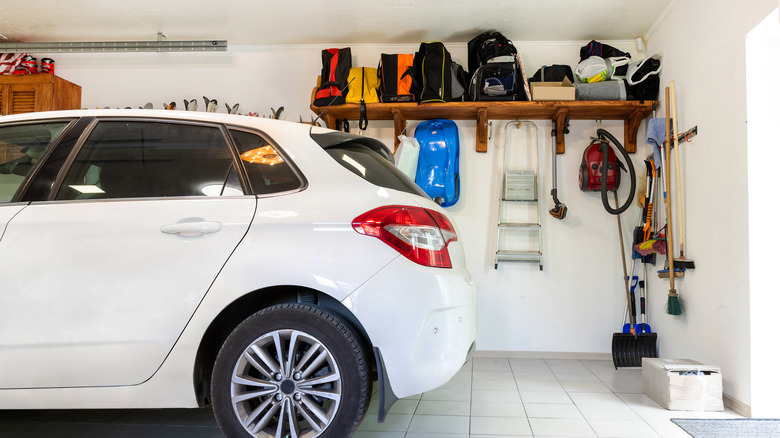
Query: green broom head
[[673, 304]]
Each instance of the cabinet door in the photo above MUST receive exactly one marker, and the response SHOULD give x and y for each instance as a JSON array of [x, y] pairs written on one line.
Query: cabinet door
[[27, 98], [4, 101]]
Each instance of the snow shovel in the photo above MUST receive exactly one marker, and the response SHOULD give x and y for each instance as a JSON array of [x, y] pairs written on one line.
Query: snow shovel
[[628, 349]]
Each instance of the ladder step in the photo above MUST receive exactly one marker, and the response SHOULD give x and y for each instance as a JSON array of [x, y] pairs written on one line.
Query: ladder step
[[519, 200], [518, 256], [520, 225]]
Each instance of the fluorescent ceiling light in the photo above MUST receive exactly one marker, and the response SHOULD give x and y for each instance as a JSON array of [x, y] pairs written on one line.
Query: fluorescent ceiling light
[[118, 46]]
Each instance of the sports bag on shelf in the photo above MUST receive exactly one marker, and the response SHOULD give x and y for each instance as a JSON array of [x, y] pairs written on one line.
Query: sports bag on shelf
[[363, 89], [496, 81], [553, 73], [496, 69], [437, 78], [598, 69], [595, 48], [395, 77], [335, 70], [437, 164], [488, 46], [364, 85]]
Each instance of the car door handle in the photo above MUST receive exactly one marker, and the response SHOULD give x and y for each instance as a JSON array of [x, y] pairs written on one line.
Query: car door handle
[[192, 229]]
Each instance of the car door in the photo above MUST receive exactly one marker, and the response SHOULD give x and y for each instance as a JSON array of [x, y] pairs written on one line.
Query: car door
[[101, 277]]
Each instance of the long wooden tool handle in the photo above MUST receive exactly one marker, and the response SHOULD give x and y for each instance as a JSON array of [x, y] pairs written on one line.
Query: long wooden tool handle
[[668, 202], [677, 174]]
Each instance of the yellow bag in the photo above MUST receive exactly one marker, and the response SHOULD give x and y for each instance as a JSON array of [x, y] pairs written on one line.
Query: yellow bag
[[363, 84]]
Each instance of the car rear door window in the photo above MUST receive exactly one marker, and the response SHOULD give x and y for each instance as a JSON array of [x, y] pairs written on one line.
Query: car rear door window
[[149, 159], [267, 170], [372, 167], [21, 146]]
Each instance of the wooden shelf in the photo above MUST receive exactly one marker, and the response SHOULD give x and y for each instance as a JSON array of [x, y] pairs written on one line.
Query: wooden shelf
[[631, 112]]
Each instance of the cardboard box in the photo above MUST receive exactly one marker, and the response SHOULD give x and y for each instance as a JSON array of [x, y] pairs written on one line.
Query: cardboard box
[[682, 384], [563, 90]]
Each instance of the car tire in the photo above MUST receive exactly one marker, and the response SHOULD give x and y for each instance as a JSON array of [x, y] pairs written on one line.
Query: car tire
[[320, 388]]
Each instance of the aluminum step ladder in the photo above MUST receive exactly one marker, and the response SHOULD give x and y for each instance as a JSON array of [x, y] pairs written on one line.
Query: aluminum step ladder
[[519, 195]]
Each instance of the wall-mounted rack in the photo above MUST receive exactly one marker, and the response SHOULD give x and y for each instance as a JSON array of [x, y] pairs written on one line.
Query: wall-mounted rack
[[631, 112]]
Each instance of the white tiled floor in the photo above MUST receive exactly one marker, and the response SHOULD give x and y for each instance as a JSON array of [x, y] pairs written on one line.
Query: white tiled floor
[[507, 398]]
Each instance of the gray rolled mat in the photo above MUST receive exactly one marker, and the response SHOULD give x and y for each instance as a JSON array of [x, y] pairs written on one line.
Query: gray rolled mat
[[607, 90]]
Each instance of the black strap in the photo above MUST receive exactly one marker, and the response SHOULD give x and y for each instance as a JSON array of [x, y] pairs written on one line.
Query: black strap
[[363, 122]]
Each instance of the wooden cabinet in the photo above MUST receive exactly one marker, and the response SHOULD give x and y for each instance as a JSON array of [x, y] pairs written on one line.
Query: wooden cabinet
[[40, 92]]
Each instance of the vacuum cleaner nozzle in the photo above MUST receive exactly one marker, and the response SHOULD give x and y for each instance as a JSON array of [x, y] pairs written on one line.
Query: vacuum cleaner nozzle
[[559, 211]]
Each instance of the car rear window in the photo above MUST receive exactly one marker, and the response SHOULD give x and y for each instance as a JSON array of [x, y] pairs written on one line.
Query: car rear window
[[373, 167]]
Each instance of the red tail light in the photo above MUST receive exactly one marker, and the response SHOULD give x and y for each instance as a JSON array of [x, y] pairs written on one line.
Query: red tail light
[[421, 235]]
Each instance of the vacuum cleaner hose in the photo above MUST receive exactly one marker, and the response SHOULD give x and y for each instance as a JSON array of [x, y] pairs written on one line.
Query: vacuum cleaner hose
[[602, 133]]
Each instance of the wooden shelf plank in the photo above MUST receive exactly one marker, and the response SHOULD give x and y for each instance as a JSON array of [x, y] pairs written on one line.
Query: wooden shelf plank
[[632, 112]]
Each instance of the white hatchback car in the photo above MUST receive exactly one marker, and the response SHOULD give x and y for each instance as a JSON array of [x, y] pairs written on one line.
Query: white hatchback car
[[173, 259]]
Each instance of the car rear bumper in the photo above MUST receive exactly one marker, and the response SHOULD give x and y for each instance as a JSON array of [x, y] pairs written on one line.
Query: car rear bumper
[[422, 319]]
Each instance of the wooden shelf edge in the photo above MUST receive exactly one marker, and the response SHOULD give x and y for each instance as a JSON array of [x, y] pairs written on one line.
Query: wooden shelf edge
[[632, 112]]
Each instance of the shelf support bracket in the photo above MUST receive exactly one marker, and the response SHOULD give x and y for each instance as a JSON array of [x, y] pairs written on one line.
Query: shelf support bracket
[[482, 129], [630, 130], [559, 124], [399, 126]]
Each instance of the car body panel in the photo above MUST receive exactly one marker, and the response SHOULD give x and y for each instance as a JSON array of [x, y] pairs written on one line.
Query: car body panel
[[107, 291]]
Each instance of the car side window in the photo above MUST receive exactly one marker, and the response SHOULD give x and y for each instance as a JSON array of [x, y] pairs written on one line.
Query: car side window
[[146, 159], [265, 167], [21, 146]]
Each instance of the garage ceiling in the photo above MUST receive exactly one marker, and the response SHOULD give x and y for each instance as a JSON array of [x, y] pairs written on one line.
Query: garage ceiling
[[268, 22]]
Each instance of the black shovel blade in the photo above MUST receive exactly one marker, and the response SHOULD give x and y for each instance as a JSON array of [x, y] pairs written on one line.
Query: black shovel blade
[[628, 350]]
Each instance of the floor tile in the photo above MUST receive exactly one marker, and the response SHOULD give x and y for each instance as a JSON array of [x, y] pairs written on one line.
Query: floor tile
[[392, 423], [441, 424], [497, 409], [492, 375], [399, 407], [500, 426], [495, 385], [585, 387], [623, 429], [557, 397], [372, 434], [495, 396], [491, 364], [530, 384], [448, 394], [550, 410], [594, 397], [441, 407], [560, 427], [435, 435], [667, 429], [607, 411]]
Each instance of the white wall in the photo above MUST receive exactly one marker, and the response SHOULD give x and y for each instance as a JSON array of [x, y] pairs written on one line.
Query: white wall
[[763, 90], [703, 44], [577, 302]]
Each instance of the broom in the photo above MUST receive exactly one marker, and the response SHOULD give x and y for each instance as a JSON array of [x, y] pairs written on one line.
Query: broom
[[673, 302], [681, 262]]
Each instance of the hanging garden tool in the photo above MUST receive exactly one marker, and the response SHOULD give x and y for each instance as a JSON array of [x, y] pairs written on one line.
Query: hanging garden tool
[[628, 348], [681, 262], [673, 301], [559, 210]]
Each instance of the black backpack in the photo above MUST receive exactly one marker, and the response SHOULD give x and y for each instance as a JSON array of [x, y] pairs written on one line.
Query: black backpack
[[486, 46], [496, 71], [335, 70], [436, 77]]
